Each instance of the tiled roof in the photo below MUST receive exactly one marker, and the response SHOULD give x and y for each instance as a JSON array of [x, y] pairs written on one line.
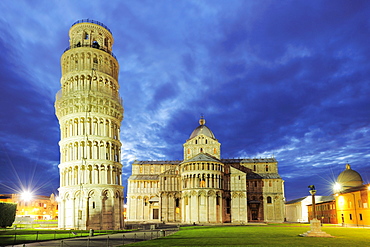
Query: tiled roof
[[143, 177], [157, 162], [296, 200], [203, 157]]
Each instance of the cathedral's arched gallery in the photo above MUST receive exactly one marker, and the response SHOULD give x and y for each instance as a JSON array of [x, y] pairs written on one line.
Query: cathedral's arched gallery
[[204, 188]]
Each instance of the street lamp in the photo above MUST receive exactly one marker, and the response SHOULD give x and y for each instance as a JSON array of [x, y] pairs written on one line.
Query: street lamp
[[313, 192]]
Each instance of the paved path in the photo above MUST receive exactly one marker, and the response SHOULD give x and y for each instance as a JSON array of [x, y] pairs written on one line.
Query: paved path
[[111, 240]]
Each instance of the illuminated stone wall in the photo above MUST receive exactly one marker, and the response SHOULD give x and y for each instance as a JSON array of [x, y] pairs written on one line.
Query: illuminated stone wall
[[37, 207], [203, 188], [89, 110]]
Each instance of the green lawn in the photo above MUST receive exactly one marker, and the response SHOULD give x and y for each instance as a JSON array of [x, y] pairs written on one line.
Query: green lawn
[[272, 235], [36, 224], [9, 237]]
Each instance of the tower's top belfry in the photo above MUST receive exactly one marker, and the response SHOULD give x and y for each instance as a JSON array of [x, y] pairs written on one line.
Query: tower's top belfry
[[84, 35], [89, 33], [89, 66]]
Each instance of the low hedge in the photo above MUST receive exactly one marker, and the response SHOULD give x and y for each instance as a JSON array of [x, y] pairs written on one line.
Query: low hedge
[[7, 214]]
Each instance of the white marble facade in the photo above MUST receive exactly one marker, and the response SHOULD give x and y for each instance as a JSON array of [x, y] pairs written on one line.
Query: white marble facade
[[89, 110], [203, 188]]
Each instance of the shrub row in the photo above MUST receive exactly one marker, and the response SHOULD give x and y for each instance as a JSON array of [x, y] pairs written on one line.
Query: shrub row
[[7, 214]]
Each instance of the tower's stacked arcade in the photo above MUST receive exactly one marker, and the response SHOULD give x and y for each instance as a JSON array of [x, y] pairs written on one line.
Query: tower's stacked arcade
[[90, 112]]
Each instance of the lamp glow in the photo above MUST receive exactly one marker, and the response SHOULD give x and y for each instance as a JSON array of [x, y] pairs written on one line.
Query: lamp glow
[[337, 187], [26, 196]]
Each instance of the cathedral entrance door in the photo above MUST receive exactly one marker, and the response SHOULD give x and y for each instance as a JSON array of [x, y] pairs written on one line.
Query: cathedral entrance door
[[254, 215], [254, 209], [155, 213]]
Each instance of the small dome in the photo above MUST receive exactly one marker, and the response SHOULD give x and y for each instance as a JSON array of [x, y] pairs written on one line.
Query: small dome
[[349, 178], [202, 129]]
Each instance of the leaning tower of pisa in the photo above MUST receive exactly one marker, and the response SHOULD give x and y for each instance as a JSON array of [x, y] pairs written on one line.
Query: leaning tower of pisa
[[89, 110]]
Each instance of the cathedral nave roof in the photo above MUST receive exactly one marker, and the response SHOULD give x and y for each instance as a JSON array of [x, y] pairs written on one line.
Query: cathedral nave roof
[[143, 177], [203, 157]]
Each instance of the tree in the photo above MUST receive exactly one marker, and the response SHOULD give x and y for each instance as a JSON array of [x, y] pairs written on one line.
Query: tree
[[7, 214]]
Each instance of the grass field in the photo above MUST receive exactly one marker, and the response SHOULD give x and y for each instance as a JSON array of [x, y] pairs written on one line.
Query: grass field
[[10, 237], [28, 223], [275, 235]]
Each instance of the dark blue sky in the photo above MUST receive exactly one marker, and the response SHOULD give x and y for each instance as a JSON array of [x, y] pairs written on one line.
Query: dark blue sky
[[289, 79]]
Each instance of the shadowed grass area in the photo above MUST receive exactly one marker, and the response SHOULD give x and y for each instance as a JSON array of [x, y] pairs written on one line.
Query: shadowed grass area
[[276, 235], [9, 237]]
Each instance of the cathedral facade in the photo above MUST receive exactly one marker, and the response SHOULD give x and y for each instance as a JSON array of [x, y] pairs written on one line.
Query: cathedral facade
[[89, 110], [204, 188]]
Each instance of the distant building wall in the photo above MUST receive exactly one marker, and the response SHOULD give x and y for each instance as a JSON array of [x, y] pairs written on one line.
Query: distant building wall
[[353, 206], [37, 208], [325, 211]]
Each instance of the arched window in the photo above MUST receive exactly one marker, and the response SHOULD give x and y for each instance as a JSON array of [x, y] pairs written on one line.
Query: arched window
[[269, 200], [95, 44], [267, 168], [202, 184]]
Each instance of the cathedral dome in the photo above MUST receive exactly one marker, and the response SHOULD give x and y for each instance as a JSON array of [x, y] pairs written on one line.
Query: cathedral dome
[[202, 129], [349, 178]]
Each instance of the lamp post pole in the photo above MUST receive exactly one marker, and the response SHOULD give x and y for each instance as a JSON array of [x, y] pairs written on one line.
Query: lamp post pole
[[313, 192], [314, 223]]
